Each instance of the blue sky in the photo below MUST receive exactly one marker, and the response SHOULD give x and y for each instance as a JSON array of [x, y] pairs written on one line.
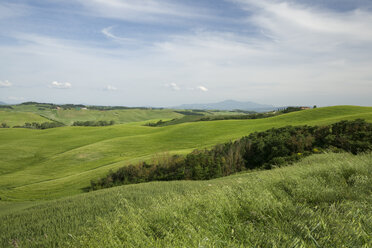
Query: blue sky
[[165, 53]]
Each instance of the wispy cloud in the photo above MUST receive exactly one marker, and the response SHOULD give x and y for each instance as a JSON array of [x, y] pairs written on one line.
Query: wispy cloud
[[356, 24], [110, 88], [108, 33], [5, 84], [57, 85], [202, 88], [173, 86], [141, 10]]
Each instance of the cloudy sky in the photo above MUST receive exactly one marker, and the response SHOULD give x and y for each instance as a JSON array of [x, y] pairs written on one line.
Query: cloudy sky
[[168, 52]]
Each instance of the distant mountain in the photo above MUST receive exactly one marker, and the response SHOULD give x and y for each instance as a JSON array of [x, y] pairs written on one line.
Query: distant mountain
[[229, 105], [3, 103]]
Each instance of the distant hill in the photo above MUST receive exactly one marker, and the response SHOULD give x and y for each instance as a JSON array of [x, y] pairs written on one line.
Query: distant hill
[[2, 103], [229, 105]]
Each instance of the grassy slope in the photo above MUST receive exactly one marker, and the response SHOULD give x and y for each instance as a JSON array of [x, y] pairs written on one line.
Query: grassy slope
[[46, 164], [323, 201], [20, 118], [119, 116]]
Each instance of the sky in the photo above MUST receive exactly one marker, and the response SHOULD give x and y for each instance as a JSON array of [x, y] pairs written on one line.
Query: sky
[[165, 53]]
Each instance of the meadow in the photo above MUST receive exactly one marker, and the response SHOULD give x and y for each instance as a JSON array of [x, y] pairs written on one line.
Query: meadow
[[58, 162], [20, 118], [323, 201]]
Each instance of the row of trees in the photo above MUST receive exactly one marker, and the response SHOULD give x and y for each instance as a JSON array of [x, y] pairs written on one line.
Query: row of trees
[[44, 125], [263, 150], [93, 123], [192, 112], [53, 124]]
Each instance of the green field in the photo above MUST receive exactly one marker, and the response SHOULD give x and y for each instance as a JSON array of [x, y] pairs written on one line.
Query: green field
[[36, 112], [68, 116], [323, 201], [20, 118], [52, 163]]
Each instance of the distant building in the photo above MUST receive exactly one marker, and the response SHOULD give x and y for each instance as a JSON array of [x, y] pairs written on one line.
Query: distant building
[[84, 108], [305, 108], [58, 108]]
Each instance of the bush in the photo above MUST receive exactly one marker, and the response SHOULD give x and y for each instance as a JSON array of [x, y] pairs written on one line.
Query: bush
[[4, 125]]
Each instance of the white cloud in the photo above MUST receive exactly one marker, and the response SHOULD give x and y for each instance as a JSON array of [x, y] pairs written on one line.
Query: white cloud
[[110, 88], [58, 85], [291, 21], [173, 86], [5, 84], [108, 33], [202, 88]]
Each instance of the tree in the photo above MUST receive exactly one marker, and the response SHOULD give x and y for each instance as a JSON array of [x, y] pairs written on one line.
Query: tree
[[4, 125]]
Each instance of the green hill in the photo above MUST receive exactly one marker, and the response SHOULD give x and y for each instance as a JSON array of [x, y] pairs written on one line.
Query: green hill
[[20, 118], [48, 164], [68, 116], [323, 201]]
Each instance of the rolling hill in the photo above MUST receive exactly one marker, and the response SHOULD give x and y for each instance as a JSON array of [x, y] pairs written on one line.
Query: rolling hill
[[20, 118], [322, 201], [71, 113], [48, 164], [68, 116]]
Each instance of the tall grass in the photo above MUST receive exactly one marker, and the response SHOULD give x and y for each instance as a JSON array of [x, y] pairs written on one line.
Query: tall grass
[[324, 206], [323, 201]]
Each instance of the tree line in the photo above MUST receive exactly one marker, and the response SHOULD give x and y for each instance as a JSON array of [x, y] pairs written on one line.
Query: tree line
[[44, 125], [259, 150], [93, 123]]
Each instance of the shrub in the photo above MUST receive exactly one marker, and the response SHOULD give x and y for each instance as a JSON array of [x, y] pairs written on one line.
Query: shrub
[[4, 125]]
